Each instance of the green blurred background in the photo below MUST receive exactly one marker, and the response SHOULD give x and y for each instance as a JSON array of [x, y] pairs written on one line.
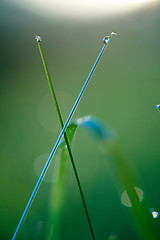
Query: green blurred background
[[123, 93]]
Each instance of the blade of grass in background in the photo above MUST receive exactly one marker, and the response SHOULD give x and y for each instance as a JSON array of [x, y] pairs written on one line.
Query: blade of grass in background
[[92, 126], [56, 197], [106, 137], [142, 216]]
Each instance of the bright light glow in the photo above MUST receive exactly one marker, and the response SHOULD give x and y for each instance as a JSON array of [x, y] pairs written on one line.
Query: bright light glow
[[83, 9]]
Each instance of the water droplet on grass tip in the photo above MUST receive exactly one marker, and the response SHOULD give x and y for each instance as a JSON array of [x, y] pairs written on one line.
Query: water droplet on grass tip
[[106, 39], [158, 106], [154, 213], [38, 39]]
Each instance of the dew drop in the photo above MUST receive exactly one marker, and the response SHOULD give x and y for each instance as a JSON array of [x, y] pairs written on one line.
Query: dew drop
[[38, 39], [107, 38], [158, 107], [113, 33], [154, 213], [60, 143], [125, 198]]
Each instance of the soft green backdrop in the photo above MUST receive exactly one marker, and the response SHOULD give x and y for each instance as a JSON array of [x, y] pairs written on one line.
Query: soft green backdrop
[[123, 93]]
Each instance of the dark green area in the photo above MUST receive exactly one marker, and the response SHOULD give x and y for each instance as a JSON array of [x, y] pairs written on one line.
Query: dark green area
[[123, 92]]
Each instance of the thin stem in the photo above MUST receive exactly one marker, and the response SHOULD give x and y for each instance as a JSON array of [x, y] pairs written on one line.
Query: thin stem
[[57, 142], [65, 137]]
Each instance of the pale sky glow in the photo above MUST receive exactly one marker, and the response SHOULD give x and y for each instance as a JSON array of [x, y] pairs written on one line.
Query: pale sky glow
[[83, 9]]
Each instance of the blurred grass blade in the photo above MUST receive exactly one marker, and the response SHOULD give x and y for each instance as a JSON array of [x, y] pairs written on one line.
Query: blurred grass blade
[[141, 214], [92, 126], [107, 138], [58, 189]]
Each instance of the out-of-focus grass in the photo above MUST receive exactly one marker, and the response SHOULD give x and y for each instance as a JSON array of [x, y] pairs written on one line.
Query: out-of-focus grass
[[108, 144]]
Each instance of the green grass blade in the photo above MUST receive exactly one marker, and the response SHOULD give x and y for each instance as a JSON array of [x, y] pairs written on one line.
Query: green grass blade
[[57, 191], [93, 127]]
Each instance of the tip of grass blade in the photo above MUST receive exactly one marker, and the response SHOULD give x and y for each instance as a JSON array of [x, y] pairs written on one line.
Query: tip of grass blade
[[106, 39], [113, 33], [38, 39], [95, 127]]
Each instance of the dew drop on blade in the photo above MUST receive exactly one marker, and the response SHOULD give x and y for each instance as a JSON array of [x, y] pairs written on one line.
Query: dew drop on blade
[[158, 107], [106, 39], [60, 143], [154, 213], [38, 39]]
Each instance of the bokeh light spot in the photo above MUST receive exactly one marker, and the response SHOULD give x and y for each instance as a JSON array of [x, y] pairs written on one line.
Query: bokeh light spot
[[125, 198]]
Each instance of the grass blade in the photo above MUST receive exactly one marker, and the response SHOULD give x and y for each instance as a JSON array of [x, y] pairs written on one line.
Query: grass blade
[[56, 197], [59, 138], [65, 137], [107, 138], [92, 126]]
